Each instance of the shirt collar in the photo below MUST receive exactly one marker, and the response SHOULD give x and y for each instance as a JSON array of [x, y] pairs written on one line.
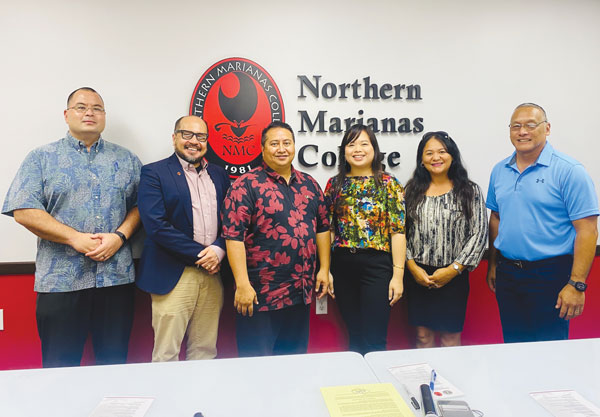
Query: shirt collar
[[543, 158], [545, 155], [190, 167], [79, 145], [273, 174]]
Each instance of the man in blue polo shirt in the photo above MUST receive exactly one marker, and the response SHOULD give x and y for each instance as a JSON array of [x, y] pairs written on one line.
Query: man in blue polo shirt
[[543, 232]]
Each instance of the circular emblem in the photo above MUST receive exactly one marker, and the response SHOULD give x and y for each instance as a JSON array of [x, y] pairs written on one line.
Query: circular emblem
[[238, 99]]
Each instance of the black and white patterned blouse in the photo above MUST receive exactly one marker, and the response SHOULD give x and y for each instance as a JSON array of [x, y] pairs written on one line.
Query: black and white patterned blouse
[[442, 235]]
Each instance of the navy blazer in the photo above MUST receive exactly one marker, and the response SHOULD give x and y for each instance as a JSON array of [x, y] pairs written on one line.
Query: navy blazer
[[165, 206]]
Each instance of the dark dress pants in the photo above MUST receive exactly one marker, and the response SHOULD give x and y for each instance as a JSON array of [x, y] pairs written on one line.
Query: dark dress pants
[[64, 320], [276, 332], [527, 296], [361, 284]]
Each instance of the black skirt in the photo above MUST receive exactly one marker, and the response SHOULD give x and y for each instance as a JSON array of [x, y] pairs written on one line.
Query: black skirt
[[441, 309]]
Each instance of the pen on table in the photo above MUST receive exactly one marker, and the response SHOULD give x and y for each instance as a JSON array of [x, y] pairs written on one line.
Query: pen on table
[[413, 400], [432, 380]]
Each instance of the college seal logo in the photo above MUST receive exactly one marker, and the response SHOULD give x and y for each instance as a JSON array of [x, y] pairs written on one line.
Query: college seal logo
[[238, 99]]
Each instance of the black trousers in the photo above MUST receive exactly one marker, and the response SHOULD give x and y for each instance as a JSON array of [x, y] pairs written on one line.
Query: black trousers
[[277, 332], [361, 284], [64, 320], [527, 296]]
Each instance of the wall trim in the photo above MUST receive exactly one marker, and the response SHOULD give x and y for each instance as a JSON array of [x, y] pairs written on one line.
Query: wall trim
[[17, 268]]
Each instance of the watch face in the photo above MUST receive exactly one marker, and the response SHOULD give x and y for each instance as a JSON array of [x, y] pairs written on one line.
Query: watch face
[[580, 286]]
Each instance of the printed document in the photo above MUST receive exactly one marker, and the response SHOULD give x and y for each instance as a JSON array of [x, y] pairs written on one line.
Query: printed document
[[416, 374], [122, 407], [566, 404], [369, 400]]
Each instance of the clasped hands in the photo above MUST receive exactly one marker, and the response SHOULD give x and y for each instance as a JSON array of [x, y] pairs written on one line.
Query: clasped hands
[[97, 246], [438, 279]]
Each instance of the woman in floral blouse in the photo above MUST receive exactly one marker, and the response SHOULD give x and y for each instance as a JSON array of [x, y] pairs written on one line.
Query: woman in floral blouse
[[366, 207]]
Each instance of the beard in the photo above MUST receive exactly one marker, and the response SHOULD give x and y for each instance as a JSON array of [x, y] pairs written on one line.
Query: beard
[[189, 159]]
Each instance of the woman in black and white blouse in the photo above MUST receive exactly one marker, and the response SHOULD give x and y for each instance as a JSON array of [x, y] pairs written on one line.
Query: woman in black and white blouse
[[446, 237]]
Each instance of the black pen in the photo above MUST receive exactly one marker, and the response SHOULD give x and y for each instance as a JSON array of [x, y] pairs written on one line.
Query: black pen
[[428, 404], [413, 400]]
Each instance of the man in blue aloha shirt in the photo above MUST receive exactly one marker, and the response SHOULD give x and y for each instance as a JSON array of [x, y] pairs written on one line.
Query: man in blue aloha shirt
[[78, 195]]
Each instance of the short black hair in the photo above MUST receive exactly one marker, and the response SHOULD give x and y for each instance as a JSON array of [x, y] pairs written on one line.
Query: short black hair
[[273, 125], [85, 89]]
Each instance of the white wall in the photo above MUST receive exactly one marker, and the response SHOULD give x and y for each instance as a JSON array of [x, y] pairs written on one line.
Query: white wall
[[475, 60]]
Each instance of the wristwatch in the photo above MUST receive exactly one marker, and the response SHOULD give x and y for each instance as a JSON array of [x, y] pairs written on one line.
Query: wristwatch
[[579, 286], [122, 236]]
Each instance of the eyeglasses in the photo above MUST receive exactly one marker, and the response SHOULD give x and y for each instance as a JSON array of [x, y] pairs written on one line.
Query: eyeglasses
[[527, 126], [80, 108], [187, 135]]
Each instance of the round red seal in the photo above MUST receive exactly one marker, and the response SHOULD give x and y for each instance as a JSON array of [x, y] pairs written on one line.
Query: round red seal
[[237, 98]]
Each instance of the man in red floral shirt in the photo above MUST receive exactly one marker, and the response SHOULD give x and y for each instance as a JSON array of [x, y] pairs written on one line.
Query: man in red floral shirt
[[275, 224]]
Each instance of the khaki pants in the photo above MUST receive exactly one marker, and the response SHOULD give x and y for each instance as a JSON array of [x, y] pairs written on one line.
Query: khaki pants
[[192, 308]]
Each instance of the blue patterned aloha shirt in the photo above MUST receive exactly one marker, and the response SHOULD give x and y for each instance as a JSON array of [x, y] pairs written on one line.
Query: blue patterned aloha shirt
[[88, 191]]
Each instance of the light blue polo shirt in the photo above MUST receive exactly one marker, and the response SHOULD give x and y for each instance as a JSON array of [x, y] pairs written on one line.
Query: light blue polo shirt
[[537, 206]]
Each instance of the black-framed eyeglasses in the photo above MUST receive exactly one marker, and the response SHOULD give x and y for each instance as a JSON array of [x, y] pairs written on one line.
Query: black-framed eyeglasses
[[527, 126], [187, 135], [80, 108]]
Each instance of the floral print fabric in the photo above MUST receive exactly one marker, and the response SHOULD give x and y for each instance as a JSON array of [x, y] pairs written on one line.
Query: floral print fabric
[[91, 192], [364, 216], [278, 223]]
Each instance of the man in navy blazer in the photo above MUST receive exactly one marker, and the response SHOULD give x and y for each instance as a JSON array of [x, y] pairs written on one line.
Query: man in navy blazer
[[179, 200]]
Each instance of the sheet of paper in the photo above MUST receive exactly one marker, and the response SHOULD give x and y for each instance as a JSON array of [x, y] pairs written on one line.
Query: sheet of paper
[[416, 374], [369, 400], [122, 407], [566, 404]]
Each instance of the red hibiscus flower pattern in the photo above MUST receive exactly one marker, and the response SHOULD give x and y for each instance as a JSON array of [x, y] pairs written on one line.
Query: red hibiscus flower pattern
[[278, 223]]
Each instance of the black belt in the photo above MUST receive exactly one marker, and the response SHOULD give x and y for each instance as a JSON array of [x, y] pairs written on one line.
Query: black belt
[[535, 264], [354, 250]]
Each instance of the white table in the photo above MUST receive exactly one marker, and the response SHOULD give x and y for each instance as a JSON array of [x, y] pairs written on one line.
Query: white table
[[270, 386], [497, 379]]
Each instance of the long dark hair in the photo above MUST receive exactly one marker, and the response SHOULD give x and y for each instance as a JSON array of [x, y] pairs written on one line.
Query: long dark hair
[[462, 186], [344, 167]]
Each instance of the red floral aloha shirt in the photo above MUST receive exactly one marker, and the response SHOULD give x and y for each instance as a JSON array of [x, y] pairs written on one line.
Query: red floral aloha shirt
[[278, 223]]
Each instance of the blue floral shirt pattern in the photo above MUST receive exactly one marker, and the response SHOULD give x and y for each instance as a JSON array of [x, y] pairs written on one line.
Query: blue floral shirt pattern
[[88, 191]]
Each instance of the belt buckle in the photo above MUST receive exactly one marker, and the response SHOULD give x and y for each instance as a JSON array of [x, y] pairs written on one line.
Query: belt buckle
[[352, 250], [519, 264]]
